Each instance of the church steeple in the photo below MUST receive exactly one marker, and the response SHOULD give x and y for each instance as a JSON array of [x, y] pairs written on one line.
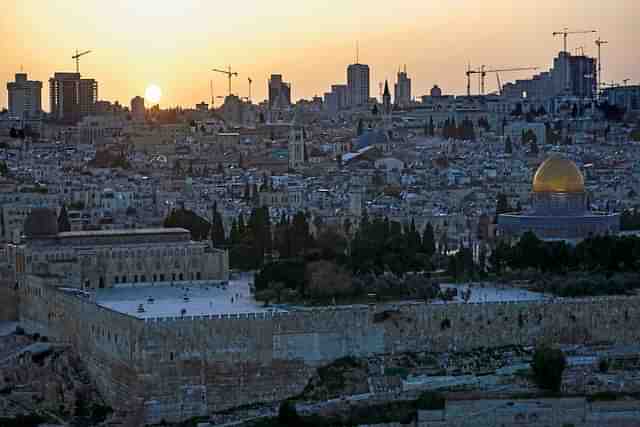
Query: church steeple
[[386, 99]]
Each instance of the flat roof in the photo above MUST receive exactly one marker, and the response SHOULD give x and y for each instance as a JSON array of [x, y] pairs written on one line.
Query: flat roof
[[196, 298], [122, 232]]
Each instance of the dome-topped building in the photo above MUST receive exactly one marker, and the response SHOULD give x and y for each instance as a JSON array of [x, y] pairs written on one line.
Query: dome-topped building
[[559, 208], [558, 175]]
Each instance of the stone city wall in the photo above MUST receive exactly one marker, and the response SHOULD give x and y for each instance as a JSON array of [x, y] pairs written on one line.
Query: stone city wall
[[184, 367], [105, 339]]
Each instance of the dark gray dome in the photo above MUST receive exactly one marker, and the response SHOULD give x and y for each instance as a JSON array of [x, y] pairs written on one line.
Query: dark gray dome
[[41, 222]]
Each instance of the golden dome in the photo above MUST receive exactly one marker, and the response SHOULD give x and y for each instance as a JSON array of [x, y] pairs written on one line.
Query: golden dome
[[558, 175]]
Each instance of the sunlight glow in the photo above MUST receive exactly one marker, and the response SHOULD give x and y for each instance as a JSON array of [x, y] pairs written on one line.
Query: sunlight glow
[[152, 94]]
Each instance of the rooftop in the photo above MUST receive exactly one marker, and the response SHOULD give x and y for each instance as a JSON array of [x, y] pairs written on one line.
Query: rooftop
[[201, 298], [122, 232]]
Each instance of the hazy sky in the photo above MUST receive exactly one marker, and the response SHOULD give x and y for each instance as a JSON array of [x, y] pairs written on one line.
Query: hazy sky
[[174, 43]]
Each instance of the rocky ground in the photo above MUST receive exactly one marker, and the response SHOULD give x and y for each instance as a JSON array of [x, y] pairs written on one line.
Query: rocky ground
[[47, 382]]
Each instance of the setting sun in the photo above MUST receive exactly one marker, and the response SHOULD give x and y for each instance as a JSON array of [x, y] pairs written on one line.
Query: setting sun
[[152, 94]]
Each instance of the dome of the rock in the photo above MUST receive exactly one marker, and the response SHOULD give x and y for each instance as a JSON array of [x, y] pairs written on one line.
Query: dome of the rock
[[558, 175]]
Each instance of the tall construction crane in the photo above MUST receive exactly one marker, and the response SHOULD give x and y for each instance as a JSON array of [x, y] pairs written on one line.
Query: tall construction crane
[[469, 73], [77, 57], [565, 32], [229, 75], [482, 72], [250, 81], [599, 42]]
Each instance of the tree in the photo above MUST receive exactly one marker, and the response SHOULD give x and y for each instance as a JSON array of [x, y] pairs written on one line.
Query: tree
[[430, 401], [287, 415], [217, 228], [508, 145], [325, 280], [63, 221], [184, 218], [548, 365], [4, 170], [428, 241], [502, 204], [247, 192]]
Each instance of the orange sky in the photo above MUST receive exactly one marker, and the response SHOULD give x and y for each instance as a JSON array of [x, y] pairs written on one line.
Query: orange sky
[[173, 43]]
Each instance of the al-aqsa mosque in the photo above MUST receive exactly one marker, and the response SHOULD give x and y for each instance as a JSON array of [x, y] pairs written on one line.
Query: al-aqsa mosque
[[559, 208]]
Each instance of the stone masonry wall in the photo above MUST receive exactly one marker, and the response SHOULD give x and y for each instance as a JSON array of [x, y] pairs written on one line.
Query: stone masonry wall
[[184, 367]]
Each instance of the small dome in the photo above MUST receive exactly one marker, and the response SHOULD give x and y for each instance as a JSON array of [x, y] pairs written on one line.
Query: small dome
[[41, 222], [558, 175]]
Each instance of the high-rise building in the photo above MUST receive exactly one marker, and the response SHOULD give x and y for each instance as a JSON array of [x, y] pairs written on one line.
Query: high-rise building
[[358, 85], [341, 95], [570, 75], [25, 97], [279, 92], [336, 100], [402, 91], [137, 109], [72, 97]]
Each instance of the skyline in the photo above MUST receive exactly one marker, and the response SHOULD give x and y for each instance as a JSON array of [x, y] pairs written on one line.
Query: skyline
[[161, 42]]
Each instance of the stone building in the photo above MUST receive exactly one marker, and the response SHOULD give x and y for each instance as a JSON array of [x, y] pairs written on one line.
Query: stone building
[[101, 259]]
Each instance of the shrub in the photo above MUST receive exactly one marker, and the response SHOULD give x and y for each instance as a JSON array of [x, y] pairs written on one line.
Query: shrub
[[603, 366], [548, 365], [430, 401], [287, 414]]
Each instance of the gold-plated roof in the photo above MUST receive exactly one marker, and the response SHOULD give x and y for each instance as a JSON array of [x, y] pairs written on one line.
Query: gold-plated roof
[[558, 175]]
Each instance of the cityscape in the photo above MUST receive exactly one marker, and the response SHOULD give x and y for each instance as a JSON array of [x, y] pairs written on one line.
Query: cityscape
[[376, 254]]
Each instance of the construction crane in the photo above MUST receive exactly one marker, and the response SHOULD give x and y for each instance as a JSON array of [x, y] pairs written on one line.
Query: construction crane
[[600, 43], [483, 74], [229, 75], [469, 73], [502, 70], [566, 33], [250, 81], [77, 57]]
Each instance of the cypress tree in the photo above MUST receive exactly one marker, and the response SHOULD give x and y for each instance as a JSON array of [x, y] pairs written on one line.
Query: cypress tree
[[428, 240], [217, 228], [63, 221]]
